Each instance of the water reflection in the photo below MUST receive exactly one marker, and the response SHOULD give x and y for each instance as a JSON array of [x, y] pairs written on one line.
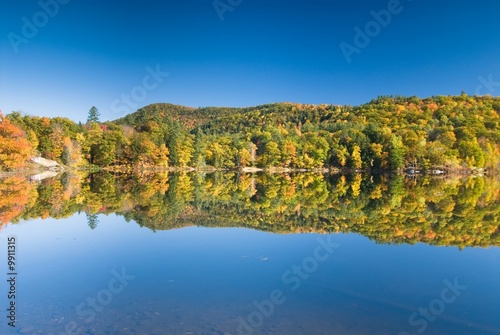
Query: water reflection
[[82, 230], [459, 212]]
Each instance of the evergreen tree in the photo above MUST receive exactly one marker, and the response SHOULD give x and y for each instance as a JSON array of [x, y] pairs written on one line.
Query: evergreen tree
[[93, 115], [92, 220]]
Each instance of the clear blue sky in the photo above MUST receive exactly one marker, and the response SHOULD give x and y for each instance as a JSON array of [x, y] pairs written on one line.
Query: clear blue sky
[[93, 52]]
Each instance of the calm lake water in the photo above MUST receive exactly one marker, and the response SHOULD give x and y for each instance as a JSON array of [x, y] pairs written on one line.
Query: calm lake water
[[231, 254]]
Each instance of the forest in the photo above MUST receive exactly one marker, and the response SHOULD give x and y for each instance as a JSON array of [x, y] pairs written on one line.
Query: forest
[[387, 134], [387, 208]]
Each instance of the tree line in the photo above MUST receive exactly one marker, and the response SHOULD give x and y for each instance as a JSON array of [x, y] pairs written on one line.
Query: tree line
[[388, 133]]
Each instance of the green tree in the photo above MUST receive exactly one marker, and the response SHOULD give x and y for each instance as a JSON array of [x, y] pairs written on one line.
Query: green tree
[[271, 155], [472, 153], [93, 115], [199, 150], [397, 153], [92, 220]]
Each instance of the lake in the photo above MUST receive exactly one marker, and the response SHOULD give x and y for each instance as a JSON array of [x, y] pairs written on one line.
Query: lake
[[229, 253]]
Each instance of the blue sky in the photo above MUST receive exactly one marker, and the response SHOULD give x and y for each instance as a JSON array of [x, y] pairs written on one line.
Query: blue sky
[[99, 52]]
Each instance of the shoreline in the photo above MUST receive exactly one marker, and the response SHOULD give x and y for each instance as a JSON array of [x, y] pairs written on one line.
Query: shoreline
[[34, 170]]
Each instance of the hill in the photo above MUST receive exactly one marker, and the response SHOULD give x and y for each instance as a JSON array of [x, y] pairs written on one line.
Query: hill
[[388, 133]]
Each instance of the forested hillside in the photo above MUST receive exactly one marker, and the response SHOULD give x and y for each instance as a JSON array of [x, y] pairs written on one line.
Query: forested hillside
[[389, 133]]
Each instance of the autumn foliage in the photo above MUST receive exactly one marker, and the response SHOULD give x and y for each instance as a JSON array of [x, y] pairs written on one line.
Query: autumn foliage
[[15, 149], [454, 211], [443, 133], [15, 194]]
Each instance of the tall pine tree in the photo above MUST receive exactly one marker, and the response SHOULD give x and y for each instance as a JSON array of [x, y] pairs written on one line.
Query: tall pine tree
[[93, 115]]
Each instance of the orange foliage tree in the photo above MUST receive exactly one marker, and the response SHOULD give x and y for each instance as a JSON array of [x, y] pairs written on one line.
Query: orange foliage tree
[[15, 149], [15, 193]]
